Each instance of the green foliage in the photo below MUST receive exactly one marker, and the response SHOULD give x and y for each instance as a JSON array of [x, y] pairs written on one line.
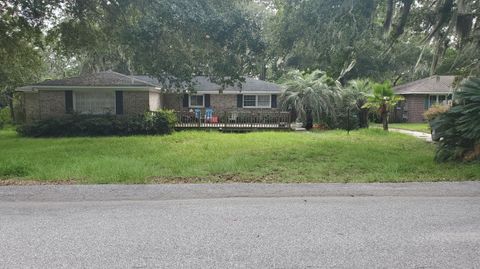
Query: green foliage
[[168, 39], [368, 155], [152, 123], [459, 127], [382, 101], [331, 35], [20, 44], [350, 111], [160, 122], [5, 117], [383, 98], [310, 95], [385, 39], [435, 111]]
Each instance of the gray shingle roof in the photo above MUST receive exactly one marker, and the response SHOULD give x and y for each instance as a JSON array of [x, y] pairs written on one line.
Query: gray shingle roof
[[201, 83], [430, 85], [108, 78]]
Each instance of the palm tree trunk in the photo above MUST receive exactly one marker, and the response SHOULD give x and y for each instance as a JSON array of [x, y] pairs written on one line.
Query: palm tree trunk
[[309, 120], [385, 120], [362, 115]]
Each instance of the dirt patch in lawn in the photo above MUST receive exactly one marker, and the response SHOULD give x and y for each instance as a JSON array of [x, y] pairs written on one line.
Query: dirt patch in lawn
[[22, 182], [223, 178]]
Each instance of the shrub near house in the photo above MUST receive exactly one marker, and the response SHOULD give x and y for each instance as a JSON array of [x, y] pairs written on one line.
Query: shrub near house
[[151, 123], [5, 117], [459, 127]]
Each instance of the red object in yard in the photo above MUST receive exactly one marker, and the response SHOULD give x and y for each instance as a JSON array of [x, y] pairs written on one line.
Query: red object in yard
[[214, 119]]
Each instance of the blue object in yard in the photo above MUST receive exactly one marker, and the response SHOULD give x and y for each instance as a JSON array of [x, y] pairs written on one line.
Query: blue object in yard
[[208, 114], [197, 113]]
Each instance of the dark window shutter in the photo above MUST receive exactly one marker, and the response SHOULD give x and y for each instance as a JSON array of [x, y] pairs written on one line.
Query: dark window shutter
[[274, 101], [185, 100], [426, 102], [68, 102], [119, 102], [207, 100], [239, 100]]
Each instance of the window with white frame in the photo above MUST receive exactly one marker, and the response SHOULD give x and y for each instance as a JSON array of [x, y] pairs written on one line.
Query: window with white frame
[[437, 99], [196, 101], [258, 101], [94, 102]]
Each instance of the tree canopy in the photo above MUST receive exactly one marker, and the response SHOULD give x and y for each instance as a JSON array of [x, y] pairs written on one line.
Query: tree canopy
[[381, 39], [173, 40]]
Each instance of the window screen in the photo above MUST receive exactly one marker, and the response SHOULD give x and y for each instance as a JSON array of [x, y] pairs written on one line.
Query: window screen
[[196, 100], [95, 102], [263, 100], [249, 100]]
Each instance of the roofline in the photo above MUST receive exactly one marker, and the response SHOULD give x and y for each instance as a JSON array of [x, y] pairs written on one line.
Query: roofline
[[134, 78], [60, 88], [419, 80], [237, 92], [421, 93]]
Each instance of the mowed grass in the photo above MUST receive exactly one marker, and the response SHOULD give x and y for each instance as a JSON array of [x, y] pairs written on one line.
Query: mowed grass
[[334, 156], [420, 127]]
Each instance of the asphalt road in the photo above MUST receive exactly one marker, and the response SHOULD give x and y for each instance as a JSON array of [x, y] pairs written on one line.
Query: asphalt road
[[269, 226]]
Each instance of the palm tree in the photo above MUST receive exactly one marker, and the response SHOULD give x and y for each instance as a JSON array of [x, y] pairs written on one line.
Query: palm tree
[[310, 96], [356, 94], [382, 101]]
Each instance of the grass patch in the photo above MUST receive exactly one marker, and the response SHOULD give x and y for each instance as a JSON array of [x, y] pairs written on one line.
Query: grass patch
[[363, 156], [420, 127]]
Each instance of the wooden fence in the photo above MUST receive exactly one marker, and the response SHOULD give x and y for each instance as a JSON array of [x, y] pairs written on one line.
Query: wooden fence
[[232, 119]]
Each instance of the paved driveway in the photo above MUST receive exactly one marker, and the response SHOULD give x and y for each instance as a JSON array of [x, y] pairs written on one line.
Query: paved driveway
[[270, 226]]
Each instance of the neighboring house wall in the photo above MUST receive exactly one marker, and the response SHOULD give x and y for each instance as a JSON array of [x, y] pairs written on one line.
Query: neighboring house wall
[[415, 107], [136, 102]]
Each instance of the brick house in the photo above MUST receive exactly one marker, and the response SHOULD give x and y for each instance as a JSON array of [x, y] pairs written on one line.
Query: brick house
[[114, 93], [420, 95]]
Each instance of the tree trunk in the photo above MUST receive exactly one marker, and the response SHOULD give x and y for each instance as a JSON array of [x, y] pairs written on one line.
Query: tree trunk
[[388, 17], [10, 104], [363, 118], [309, 120], [385, 121], [362, 115], [407, 5]]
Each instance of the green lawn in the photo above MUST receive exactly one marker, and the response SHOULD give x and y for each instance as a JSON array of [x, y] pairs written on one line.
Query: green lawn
[[421, 127], [363, 156]]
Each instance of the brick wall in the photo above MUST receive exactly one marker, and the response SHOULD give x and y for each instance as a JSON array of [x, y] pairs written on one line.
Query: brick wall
[[172, 101], [223, 101], [135, 102], [31, 106], [52, 104], [415, 107]]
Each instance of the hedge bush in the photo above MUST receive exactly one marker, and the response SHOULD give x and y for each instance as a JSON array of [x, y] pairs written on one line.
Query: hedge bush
[[459, 127], [151, 123], [435, 111], [5, 117]]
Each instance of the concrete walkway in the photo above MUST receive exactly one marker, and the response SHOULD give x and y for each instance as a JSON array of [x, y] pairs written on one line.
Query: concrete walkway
[[425, 136]]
